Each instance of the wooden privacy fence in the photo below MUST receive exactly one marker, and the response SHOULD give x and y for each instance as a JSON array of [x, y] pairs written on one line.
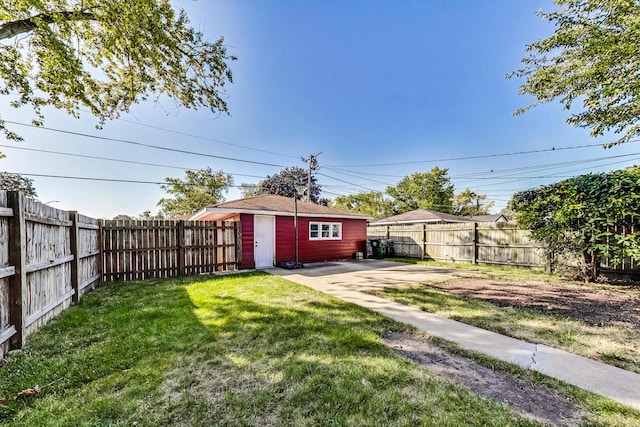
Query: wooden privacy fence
[[138, 250], [491, 243], [48, 259]]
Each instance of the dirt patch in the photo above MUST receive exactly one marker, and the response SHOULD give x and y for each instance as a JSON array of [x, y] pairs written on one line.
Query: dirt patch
[[528, 398], [596, 305]]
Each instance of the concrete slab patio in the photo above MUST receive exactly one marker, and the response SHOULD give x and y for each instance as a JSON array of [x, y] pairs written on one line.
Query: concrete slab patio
[[350, 279]]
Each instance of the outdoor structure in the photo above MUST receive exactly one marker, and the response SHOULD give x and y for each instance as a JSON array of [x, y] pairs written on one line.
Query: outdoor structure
[[421, 216], [489, 218], [269, 225]]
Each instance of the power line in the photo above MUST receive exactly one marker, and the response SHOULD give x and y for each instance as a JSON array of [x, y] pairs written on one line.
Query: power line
[[62, 153], [86, 178], [546, 166], [474, 174], [141, 144], [346, 182], [478, 176], [484, 156], [206, 139], [355, 175], [548, 176]]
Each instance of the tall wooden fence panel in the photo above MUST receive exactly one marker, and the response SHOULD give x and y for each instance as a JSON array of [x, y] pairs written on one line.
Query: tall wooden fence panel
[[48, 257], [491, 243], [48, 289], [506, 244], [407, 240], [85, 238], [7, 329], [450, 242], [139, 250], [377, 232]]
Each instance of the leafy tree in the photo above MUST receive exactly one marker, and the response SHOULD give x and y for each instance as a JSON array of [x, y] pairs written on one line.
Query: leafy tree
[[508, 212], [249, 190], [287, 180], [371, 203], [147, 215], [105, 55], [592, 57], [15, 182], [423, 190], [589, 217], [469, 203], [199, 189], [122, 217]]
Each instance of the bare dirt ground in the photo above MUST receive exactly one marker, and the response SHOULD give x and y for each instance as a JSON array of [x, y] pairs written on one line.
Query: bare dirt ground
[[595, 304], [528, 398]]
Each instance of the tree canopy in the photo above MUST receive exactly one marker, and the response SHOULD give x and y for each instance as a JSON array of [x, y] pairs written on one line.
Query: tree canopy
[[14, 182], [588, 217], [470, 203], [104, 56], [423, 190], [593, 56], [199, 189], [288, 182], [371, 203]]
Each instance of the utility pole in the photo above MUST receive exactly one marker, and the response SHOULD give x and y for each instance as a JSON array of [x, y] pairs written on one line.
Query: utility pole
[[313, 166]]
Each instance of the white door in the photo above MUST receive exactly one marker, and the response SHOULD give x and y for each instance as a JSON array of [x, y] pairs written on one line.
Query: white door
[[264, 240]]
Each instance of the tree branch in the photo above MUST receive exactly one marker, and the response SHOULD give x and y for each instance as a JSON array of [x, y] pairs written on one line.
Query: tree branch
[[14, 28]]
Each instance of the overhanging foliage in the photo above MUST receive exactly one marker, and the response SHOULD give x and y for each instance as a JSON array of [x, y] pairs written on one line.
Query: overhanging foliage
[[590, 216], [104, 56]]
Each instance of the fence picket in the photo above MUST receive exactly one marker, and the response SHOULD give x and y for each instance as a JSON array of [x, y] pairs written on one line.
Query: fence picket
[[165, 248]]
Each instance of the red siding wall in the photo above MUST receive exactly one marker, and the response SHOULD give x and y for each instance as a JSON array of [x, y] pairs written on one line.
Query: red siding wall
[[247, 241], [354, 236]]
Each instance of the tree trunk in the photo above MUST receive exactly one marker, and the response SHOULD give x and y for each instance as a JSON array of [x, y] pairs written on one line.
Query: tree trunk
[[14, 28]]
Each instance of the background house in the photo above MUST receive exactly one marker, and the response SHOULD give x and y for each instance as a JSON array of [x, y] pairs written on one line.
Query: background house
[[425, 216], [421, 216], [268, 231], [489, 218]]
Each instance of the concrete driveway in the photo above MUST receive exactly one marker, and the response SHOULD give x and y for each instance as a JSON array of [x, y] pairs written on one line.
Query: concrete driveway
[[369, 274]]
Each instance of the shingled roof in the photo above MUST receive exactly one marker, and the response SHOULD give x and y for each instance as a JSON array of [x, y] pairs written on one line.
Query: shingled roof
[[276, 205], [420, 216], [489, 218]]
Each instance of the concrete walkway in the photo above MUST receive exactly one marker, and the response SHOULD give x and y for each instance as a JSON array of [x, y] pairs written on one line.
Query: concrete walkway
[[343, 279]]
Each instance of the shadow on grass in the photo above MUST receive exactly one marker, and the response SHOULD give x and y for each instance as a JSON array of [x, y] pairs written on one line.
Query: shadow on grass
[[249, 349], [117, 342]]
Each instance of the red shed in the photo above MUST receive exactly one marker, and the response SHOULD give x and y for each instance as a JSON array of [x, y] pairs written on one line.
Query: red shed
[[268, 230]]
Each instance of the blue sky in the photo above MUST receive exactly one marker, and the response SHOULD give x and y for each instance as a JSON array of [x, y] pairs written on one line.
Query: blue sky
[[402, 86]]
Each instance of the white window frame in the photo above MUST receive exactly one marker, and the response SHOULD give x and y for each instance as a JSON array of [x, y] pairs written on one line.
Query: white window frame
[[331, 227]]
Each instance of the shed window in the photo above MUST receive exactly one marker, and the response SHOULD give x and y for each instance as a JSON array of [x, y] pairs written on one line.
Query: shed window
[[325, 231]]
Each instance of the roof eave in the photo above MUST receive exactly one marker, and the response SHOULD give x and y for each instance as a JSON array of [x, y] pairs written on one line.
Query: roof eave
[[283, 213]]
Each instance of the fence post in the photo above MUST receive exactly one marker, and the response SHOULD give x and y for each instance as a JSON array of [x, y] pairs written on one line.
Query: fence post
[[73, 237], [424, 240], [181, 251], [17, 258], [475, 242], [101, 254]]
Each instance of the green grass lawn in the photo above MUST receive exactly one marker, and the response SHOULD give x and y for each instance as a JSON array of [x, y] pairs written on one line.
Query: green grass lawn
[[501, 272], [241, 350]]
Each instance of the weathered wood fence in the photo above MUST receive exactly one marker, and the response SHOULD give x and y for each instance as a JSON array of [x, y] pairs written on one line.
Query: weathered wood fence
[[49, 258], [490, 243], [138, 250]]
